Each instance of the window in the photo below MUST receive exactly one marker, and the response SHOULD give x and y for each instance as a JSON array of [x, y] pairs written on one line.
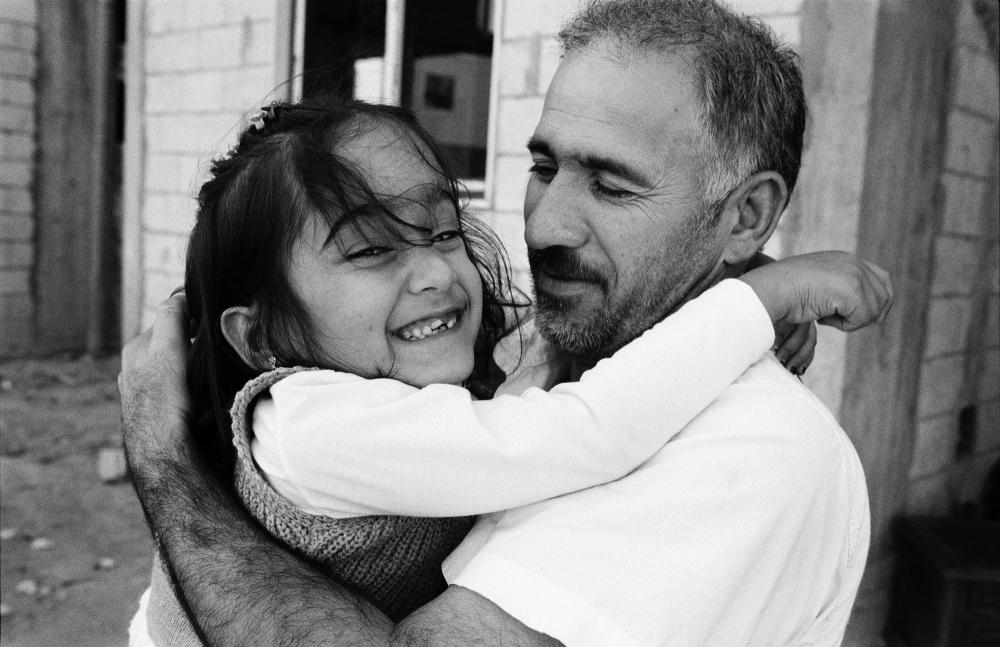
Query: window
[[431, 56]]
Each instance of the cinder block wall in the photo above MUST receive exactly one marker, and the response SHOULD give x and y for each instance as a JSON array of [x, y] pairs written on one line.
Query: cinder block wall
[[961, 366], [206, 66], [18, 62]]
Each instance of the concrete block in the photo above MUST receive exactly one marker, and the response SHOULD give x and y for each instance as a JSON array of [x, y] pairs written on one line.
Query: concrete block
[[527, 17], [14, 281], [16, 146], [787, 28], [516, 121], [766, 7], [16, 337], [18, 91], [16, 228], [971, 141], [941, 381], [947, 325], [17, 254], [519, 71], [928, 496], [223, 46], [165, 93], [963, 203], [248, 88], [163, 172], [15, 200], [195, 134], [956, 265], [934, 448], [18, 35], [172, 52], [17, 119], [509, 181], [169, 212], [989, 380], [25, 11], [989, 426], [16, 172], [170, 15], [977, 87], [994, 271], [968, 30], [258, 45], [163, 252], [222, 12], [992, 324], [16, 306]]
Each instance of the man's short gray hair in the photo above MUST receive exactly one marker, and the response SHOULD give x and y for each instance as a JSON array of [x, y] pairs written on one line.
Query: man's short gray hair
[[753, 105]]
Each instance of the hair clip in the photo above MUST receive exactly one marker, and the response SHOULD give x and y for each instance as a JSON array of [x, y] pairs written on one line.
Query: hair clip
[[260, 120], [272, 361]]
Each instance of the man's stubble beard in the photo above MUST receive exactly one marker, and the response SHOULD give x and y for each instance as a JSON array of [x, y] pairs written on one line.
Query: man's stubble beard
[[664, 284], [620, 318]]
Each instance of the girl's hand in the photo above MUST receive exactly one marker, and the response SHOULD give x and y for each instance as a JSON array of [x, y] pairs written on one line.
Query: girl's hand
[[833, 288], [795, 345]]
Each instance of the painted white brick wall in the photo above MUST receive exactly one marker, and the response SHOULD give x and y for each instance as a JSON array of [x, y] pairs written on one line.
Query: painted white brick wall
[[18, 64], [208, 65]]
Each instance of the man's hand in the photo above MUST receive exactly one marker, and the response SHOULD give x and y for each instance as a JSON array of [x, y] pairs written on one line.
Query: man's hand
[[155, 403], [834, 288]]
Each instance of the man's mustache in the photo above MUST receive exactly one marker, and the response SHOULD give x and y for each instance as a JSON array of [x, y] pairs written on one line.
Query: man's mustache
[[564, 263]]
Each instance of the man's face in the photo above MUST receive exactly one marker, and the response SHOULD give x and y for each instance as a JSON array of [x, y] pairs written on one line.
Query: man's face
[[615, 219]]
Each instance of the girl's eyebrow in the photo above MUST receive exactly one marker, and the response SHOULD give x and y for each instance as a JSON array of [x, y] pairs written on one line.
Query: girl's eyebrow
[[428, 194]]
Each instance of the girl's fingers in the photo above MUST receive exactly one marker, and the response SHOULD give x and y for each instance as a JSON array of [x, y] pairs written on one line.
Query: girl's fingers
[[802, 337], [803, 355]]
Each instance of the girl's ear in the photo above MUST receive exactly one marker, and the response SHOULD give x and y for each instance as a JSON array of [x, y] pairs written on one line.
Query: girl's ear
[[236, 323]]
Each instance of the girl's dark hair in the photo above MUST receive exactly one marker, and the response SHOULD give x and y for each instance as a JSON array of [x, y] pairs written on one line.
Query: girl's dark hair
[[284, 170]]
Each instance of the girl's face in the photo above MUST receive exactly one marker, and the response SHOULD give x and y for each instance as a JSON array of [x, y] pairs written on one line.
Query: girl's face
[[379, 305]]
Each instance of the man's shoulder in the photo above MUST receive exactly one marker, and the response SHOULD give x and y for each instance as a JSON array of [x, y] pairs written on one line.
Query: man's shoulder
[[769, 403]]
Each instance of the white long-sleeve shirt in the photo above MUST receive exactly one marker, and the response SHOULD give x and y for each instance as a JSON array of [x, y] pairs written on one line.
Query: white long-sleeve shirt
[[340, 445]]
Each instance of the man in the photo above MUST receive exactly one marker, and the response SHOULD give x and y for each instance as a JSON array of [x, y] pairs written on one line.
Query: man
[[668, 146]]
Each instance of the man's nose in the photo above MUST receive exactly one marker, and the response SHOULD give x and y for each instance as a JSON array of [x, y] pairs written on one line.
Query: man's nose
[[428, 268], [553, 216]]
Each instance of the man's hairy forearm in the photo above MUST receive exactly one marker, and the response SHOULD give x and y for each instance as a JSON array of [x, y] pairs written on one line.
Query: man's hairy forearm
[[240, 586]]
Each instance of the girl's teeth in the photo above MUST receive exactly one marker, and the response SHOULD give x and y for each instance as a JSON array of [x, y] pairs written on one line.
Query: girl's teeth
[[434, 327]]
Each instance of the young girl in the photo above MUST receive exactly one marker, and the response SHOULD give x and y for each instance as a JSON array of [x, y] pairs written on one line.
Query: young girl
[[332, 237]]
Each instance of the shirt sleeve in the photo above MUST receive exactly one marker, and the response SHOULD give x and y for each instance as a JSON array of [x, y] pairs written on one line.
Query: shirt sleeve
[[347, 446]]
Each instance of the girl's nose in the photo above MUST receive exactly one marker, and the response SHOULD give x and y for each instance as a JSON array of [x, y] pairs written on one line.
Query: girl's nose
[[429, 269]]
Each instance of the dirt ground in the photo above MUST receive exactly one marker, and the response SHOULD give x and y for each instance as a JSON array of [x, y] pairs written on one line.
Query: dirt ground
[[74, 550]]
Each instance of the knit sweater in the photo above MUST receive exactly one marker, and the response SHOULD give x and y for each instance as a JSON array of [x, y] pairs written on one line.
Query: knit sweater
[[394, 562]]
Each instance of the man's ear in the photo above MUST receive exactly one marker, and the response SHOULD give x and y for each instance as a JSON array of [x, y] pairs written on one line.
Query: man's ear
[[757, 205], [236, 323]]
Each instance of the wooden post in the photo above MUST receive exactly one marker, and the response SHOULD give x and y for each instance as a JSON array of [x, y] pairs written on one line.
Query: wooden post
[[65, 178], [900, 211]]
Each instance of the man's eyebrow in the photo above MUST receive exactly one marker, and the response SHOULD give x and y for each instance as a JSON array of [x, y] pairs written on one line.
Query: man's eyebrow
[[596, 163], [536, 145]]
